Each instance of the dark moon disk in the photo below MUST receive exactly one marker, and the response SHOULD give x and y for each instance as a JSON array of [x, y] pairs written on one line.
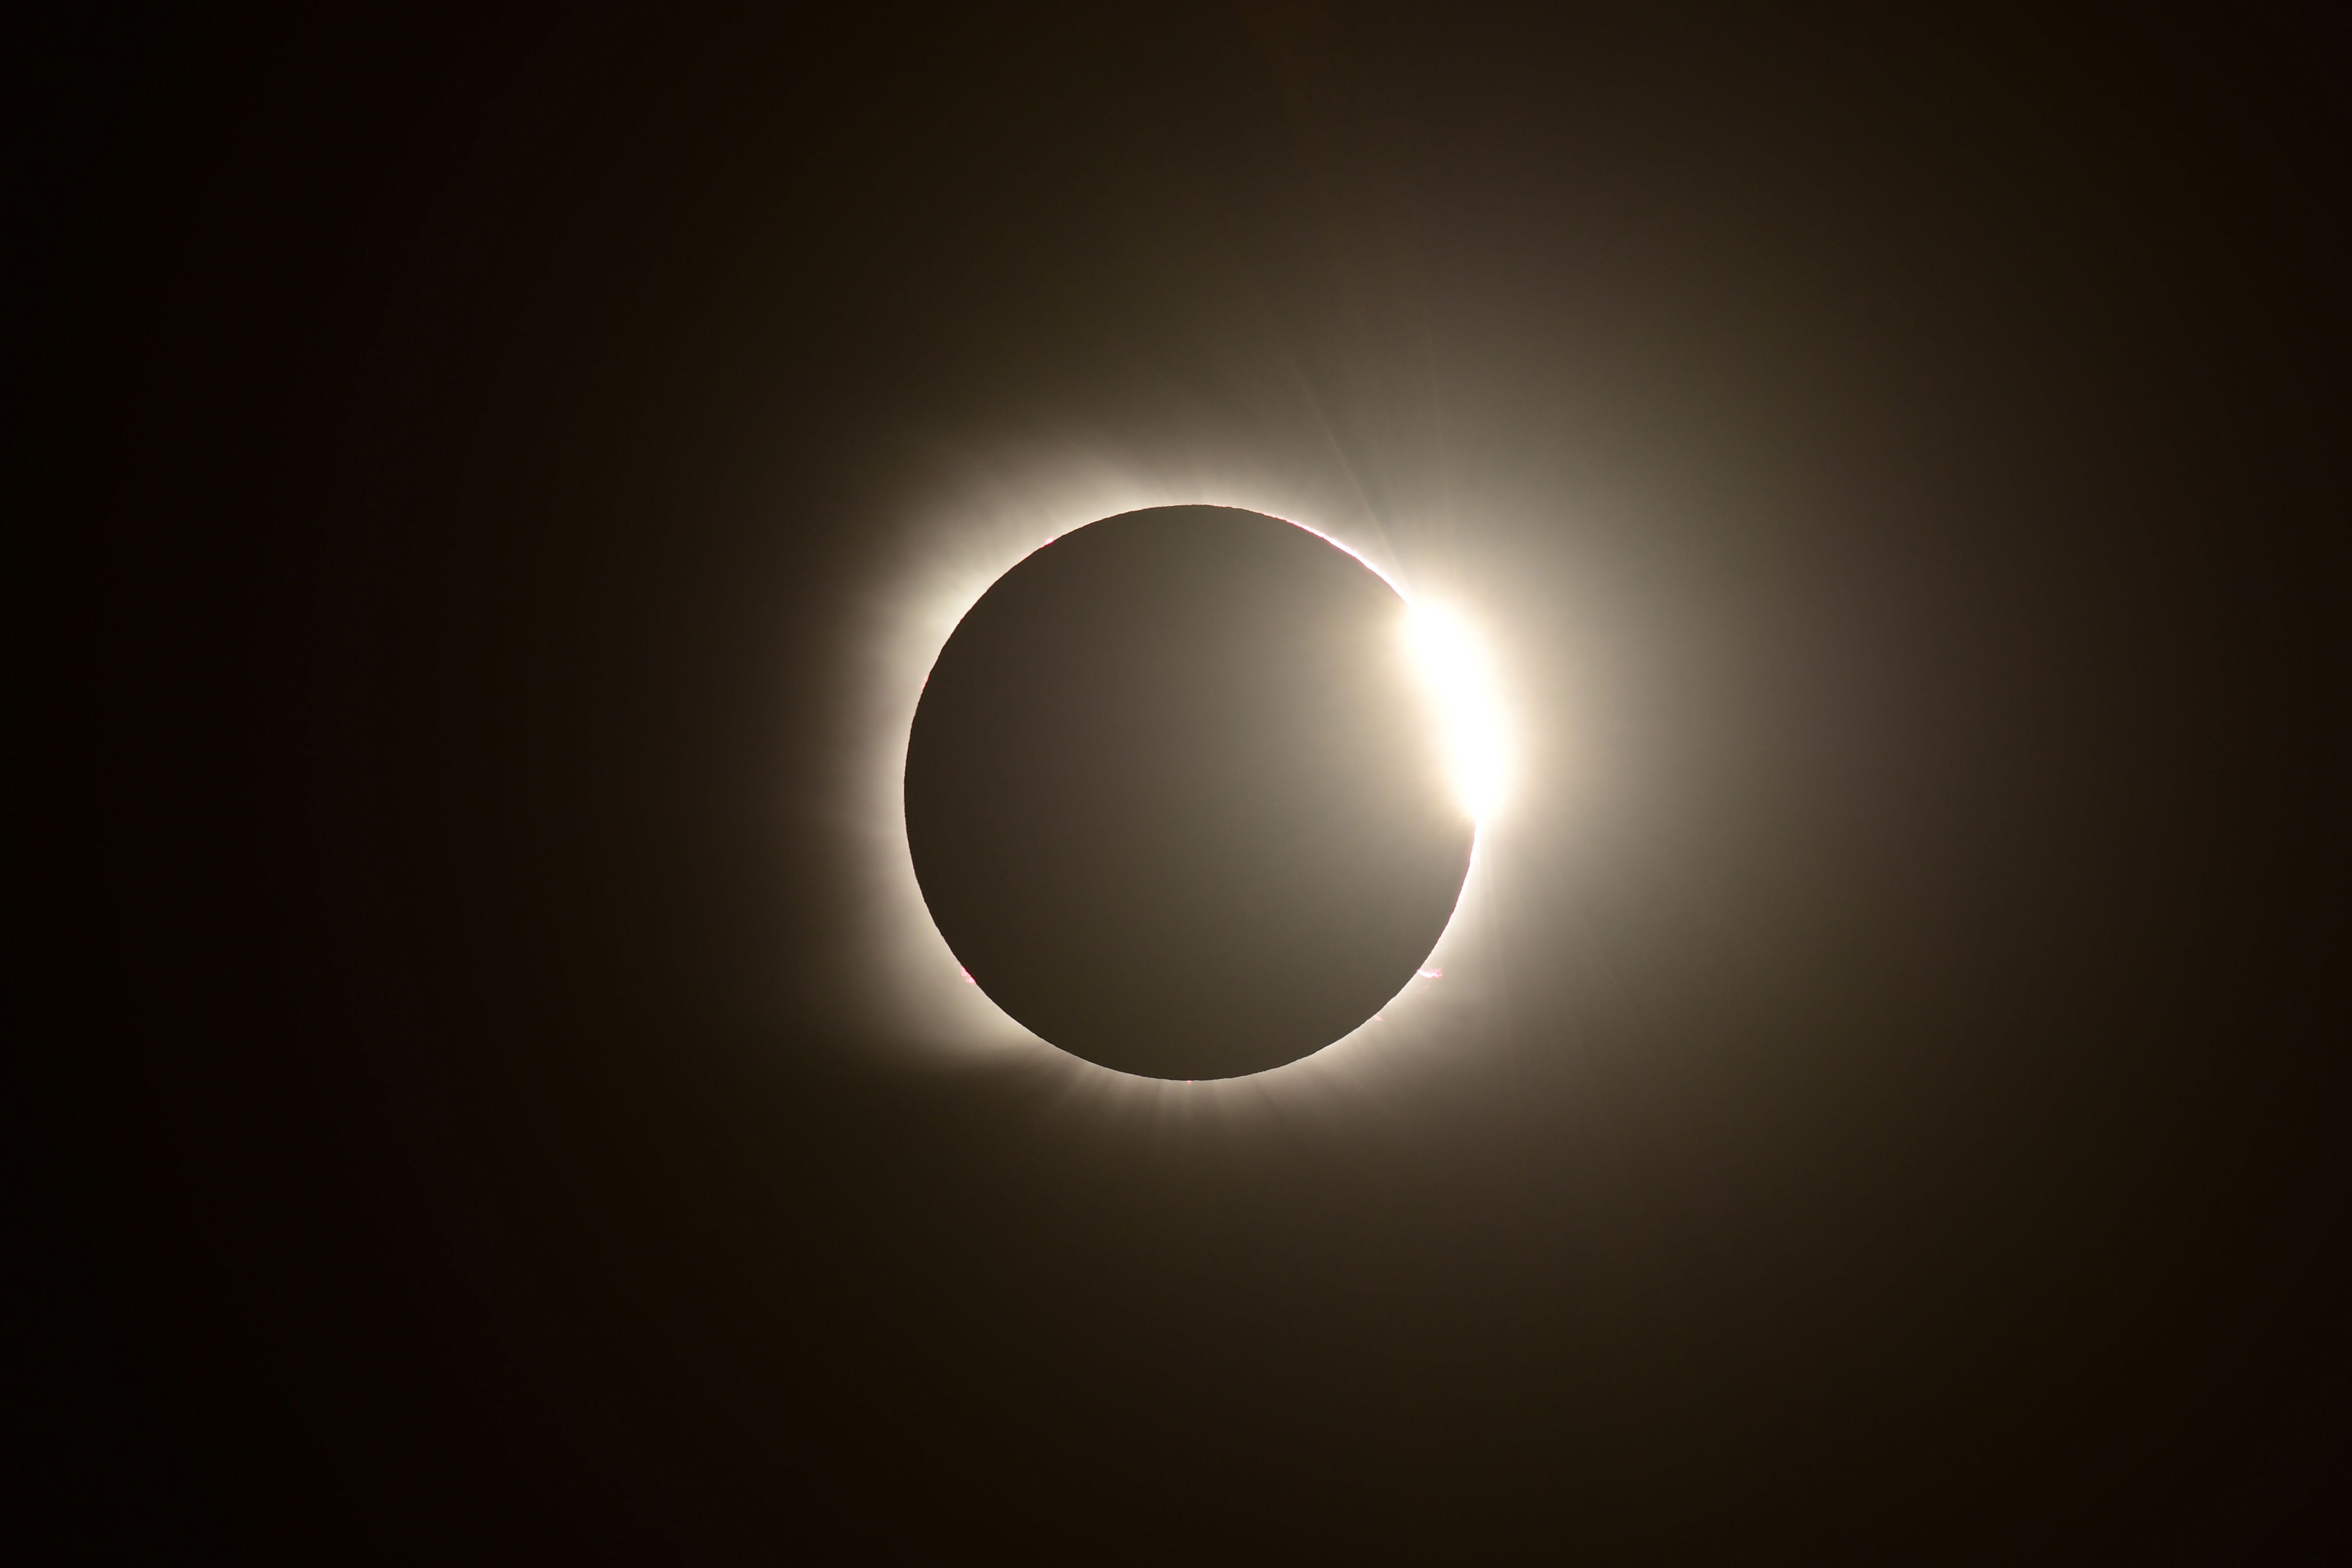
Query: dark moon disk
[[1177, 796]]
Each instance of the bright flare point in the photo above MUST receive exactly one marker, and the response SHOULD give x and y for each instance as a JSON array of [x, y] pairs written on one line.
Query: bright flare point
[[1454, 666]]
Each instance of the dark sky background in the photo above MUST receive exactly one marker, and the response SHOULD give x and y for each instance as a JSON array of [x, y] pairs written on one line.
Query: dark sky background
[[1896, 460]]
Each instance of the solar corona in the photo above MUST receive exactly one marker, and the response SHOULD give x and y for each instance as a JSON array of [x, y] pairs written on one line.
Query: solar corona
[[1191, 792]]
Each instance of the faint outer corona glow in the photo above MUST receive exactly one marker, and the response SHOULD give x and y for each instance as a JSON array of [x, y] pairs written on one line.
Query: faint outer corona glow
[[912, 974]]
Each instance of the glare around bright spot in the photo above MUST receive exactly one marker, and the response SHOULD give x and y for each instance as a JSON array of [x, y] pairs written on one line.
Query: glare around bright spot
[[1453, 664]]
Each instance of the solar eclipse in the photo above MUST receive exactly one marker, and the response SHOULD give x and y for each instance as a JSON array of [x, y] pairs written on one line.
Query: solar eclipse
[[1191, 792], [1831, 532]]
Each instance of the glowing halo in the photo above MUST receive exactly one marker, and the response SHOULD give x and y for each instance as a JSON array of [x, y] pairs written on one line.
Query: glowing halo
[[912, 978]]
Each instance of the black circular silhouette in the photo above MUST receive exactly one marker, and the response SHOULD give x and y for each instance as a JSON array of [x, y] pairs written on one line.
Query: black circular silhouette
[[1177, 799]]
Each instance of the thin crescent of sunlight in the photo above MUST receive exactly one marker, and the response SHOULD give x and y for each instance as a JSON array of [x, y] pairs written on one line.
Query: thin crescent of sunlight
[[1452, 664]]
